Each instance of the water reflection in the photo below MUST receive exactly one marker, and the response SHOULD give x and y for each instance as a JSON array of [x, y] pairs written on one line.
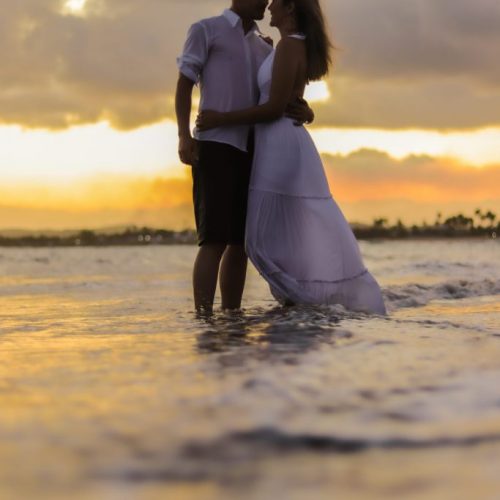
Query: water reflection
[[280, 332]]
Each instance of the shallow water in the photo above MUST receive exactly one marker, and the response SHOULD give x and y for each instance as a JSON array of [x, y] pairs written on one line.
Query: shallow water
[[111, 388]]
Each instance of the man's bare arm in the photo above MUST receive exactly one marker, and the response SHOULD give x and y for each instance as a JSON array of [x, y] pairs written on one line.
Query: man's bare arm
[[183, 102]]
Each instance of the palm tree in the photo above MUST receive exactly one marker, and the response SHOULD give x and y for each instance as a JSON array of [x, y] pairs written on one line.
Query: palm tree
[[489, 215], [380, 223], [479, 215], [459, 222], [438, 219]]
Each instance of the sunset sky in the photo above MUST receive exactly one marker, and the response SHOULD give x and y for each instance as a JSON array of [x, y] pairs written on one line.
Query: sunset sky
[[408, 121]]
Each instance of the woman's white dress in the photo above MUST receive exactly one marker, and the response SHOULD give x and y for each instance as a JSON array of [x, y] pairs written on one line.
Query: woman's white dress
[[296, 235]]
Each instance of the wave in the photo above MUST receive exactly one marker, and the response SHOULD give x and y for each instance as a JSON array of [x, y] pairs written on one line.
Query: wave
[[205, 460], [274, 440], [417, 295]]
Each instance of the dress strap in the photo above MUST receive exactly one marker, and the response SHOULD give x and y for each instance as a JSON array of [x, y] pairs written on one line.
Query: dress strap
[[298, 36]]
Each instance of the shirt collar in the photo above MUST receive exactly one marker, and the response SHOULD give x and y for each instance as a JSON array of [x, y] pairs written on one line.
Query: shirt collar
[[234, 19]]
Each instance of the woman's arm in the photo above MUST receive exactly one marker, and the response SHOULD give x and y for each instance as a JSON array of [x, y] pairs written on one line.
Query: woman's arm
[[285, 68]]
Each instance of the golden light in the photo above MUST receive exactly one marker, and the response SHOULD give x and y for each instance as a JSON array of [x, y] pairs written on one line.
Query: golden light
[[65, 156], [475, 148], [75, 6], [82, 151], [317, 92]]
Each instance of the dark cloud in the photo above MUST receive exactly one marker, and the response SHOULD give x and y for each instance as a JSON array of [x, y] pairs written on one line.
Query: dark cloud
[[418, 63], [445, 104], [418, 40], [116, 63]]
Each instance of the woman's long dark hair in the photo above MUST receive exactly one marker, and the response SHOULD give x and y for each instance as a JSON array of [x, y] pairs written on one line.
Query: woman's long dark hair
[[311, 22]]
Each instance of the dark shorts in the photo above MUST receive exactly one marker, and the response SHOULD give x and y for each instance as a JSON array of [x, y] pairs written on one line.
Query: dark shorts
[[220, 193]]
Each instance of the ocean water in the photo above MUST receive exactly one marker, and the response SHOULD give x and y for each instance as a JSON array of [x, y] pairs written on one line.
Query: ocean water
[[111, 388]]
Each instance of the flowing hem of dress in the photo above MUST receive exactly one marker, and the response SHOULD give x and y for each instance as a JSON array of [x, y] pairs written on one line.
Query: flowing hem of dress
[[358, 293], [334, 281], [330, 268]]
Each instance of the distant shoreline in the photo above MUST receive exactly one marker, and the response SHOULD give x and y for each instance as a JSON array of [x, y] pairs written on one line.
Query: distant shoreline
[[147, 236]]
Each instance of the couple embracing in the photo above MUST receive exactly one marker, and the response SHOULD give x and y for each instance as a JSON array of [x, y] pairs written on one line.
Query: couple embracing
[[259, 186]]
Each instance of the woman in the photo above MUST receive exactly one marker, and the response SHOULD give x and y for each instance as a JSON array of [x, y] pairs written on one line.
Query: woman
[[296, 235]]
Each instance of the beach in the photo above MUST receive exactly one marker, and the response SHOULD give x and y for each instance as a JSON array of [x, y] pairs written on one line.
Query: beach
[[112, 388]]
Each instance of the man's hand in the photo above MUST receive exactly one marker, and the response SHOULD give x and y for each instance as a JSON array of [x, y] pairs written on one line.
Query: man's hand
[[299, 111], [188, 150]]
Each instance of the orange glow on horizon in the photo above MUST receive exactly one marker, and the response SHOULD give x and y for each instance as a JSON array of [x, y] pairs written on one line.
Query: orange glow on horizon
[[102, 193], [127, 192]]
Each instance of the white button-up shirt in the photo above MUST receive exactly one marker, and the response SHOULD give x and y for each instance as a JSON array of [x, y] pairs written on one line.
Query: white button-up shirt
[[218, 55]]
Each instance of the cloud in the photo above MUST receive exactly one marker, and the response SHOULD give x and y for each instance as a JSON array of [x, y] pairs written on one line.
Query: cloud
[[419, 63], [26, 218], [366, 184], [102, 192], [372, 175], [414, 64], [433, 104], [418, 40], [116, 63], [107, 200]]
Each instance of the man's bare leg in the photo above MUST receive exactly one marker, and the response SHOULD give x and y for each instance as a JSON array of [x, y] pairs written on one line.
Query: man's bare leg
[[206, 269], [233, 271]]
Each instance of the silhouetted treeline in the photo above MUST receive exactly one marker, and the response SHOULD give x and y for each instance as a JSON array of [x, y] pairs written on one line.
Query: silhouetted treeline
[[481, 225], [131, 236]]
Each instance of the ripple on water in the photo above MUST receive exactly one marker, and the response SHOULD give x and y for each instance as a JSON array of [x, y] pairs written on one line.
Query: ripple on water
[[108, 376]]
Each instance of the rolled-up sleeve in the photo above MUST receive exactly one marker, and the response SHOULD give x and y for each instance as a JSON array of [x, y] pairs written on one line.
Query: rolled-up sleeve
[[195, 53]]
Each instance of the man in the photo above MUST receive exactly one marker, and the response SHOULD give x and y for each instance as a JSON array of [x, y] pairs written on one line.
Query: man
[[223, 54]]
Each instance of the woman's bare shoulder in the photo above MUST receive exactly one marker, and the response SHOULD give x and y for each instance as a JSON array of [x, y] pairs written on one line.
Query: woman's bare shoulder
[[290, 43], [289, 47]]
